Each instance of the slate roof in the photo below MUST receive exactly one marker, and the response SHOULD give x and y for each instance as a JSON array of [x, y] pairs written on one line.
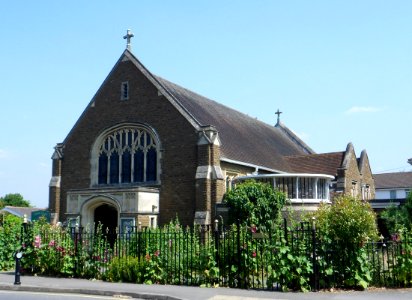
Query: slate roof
[[396, 180], [242, 137], [324, 163], [20, 211]]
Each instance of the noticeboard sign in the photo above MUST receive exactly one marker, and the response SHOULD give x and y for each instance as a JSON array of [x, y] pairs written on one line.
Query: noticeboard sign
[[36, 215]]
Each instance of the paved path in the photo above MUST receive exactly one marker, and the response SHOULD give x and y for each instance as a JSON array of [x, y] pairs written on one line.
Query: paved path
[[172, 292]]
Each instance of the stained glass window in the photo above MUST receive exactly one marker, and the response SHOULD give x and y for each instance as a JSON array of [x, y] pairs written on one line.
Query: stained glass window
[[128, 155]]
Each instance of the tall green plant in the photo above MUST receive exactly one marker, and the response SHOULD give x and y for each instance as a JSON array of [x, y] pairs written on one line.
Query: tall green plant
[[10, 241]]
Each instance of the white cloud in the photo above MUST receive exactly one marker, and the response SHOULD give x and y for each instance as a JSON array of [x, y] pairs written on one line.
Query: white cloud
[[362, 109]]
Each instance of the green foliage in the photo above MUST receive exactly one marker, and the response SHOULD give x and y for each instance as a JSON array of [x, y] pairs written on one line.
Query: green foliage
[[126, 269], [13, 200], [10, 241], [399, 218], [344, 229], [290, 266], [51, 250], [348, 221], [403, 261], [242, 256], [255, 203], [171, 254]]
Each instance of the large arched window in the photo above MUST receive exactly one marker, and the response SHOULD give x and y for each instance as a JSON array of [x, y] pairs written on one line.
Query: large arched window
[[128, 154]]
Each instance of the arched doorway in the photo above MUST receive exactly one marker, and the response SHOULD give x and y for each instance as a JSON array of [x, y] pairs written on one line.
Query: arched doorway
[[106, 215]]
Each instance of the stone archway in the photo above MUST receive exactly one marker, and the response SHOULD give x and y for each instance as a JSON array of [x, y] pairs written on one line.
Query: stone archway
[[103, 209]]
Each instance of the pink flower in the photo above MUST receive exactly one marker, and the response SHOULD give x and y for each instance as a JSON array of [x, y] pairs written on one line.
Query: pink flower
[[254, 254], [253, 229], [37, 241], [157, 253], [52, 243]]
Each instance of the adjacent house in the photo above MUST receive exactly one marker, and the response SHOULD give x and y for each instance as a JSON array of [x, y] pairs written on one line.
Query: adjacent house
[[391, 189]]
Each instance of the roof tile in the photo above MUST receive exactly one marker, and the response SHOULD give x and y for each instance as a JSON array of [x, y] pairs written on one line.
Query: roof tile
[[393, 180]]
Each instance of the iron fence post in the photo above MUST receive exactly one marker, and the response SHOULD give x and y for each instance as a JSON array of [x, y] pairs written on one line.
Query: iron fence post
[[217, 244], [238, 256], [314, 262], [18, 255]]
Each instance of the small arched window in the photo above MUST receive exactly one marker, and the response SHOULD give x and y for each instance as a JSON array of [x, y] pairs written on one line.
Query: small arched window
[[127, 155]]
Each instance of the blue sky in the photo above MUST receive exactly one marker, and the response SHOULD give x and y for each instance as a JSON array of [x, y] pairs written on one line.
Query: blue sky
[[340, 71]]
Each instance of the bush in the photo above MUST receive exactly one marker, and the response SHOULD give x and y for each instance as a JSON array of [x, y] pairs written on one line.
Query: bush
[[255, 204], [344, 228], [126, 269]]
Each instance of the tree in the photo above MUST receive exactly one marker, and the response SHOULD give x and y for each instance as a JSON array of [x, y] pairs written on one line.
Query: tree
[[14, 200], [255, 203], [398, 218]]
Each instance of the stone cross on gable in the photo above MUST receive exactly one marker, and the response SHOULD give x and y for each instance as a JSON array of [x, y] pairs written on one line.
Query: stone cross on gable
[[128, 37], [278, 113]]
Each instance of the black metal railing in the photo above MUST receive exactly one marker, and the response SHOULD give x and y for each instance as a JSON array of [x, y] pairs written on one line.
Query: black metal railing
[[239, 256]]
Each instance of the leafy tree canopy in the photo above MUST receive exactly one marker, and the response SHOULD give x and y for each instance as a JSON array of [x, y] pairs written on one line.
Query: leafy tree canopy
[[14, 200], [255, 203]]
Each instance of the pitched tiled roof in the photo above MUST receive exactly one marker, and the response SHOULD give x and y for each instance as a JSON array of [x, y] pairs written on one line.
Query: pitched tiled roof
[[393, 180], [324, 163], [243, 138]]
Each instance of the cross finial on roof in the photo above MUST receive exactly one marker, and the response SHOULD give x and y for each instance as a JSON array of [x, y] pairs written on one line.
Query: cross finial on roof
[[278, 112], [128, 36]]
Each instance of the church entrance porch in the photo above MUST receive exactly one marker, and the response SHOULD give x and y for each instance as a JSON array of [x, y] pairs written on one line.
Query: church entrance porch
[[105, 216], [113, 208]]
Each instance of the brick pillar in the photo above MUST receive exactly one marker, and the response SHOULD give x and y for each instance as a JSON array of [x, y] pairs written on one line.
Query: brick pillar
[[209, 178], [54, 186]]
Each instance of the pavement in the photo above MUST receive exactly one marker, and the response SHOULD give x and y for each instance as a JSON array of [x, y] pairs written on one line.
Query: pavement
[[174, 292]]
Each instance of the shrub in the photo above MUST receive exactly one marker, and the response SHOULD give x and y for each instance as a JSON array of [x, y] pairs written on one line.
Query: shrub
[[344, 228], [255, 204], [126, 269]]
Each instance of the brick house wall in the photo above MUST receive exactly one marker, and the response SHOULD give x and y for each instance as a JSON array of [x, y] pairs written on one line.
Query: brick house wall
[[355, 174]]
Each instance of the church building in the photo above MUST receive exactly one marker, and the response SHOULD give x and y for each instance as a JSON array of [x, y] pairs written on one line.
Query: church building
[[146, 151]]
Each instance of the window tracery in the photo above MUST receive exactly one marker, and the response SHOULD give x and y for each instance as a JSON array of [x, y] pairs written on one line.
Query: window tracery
[[128, 155]]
